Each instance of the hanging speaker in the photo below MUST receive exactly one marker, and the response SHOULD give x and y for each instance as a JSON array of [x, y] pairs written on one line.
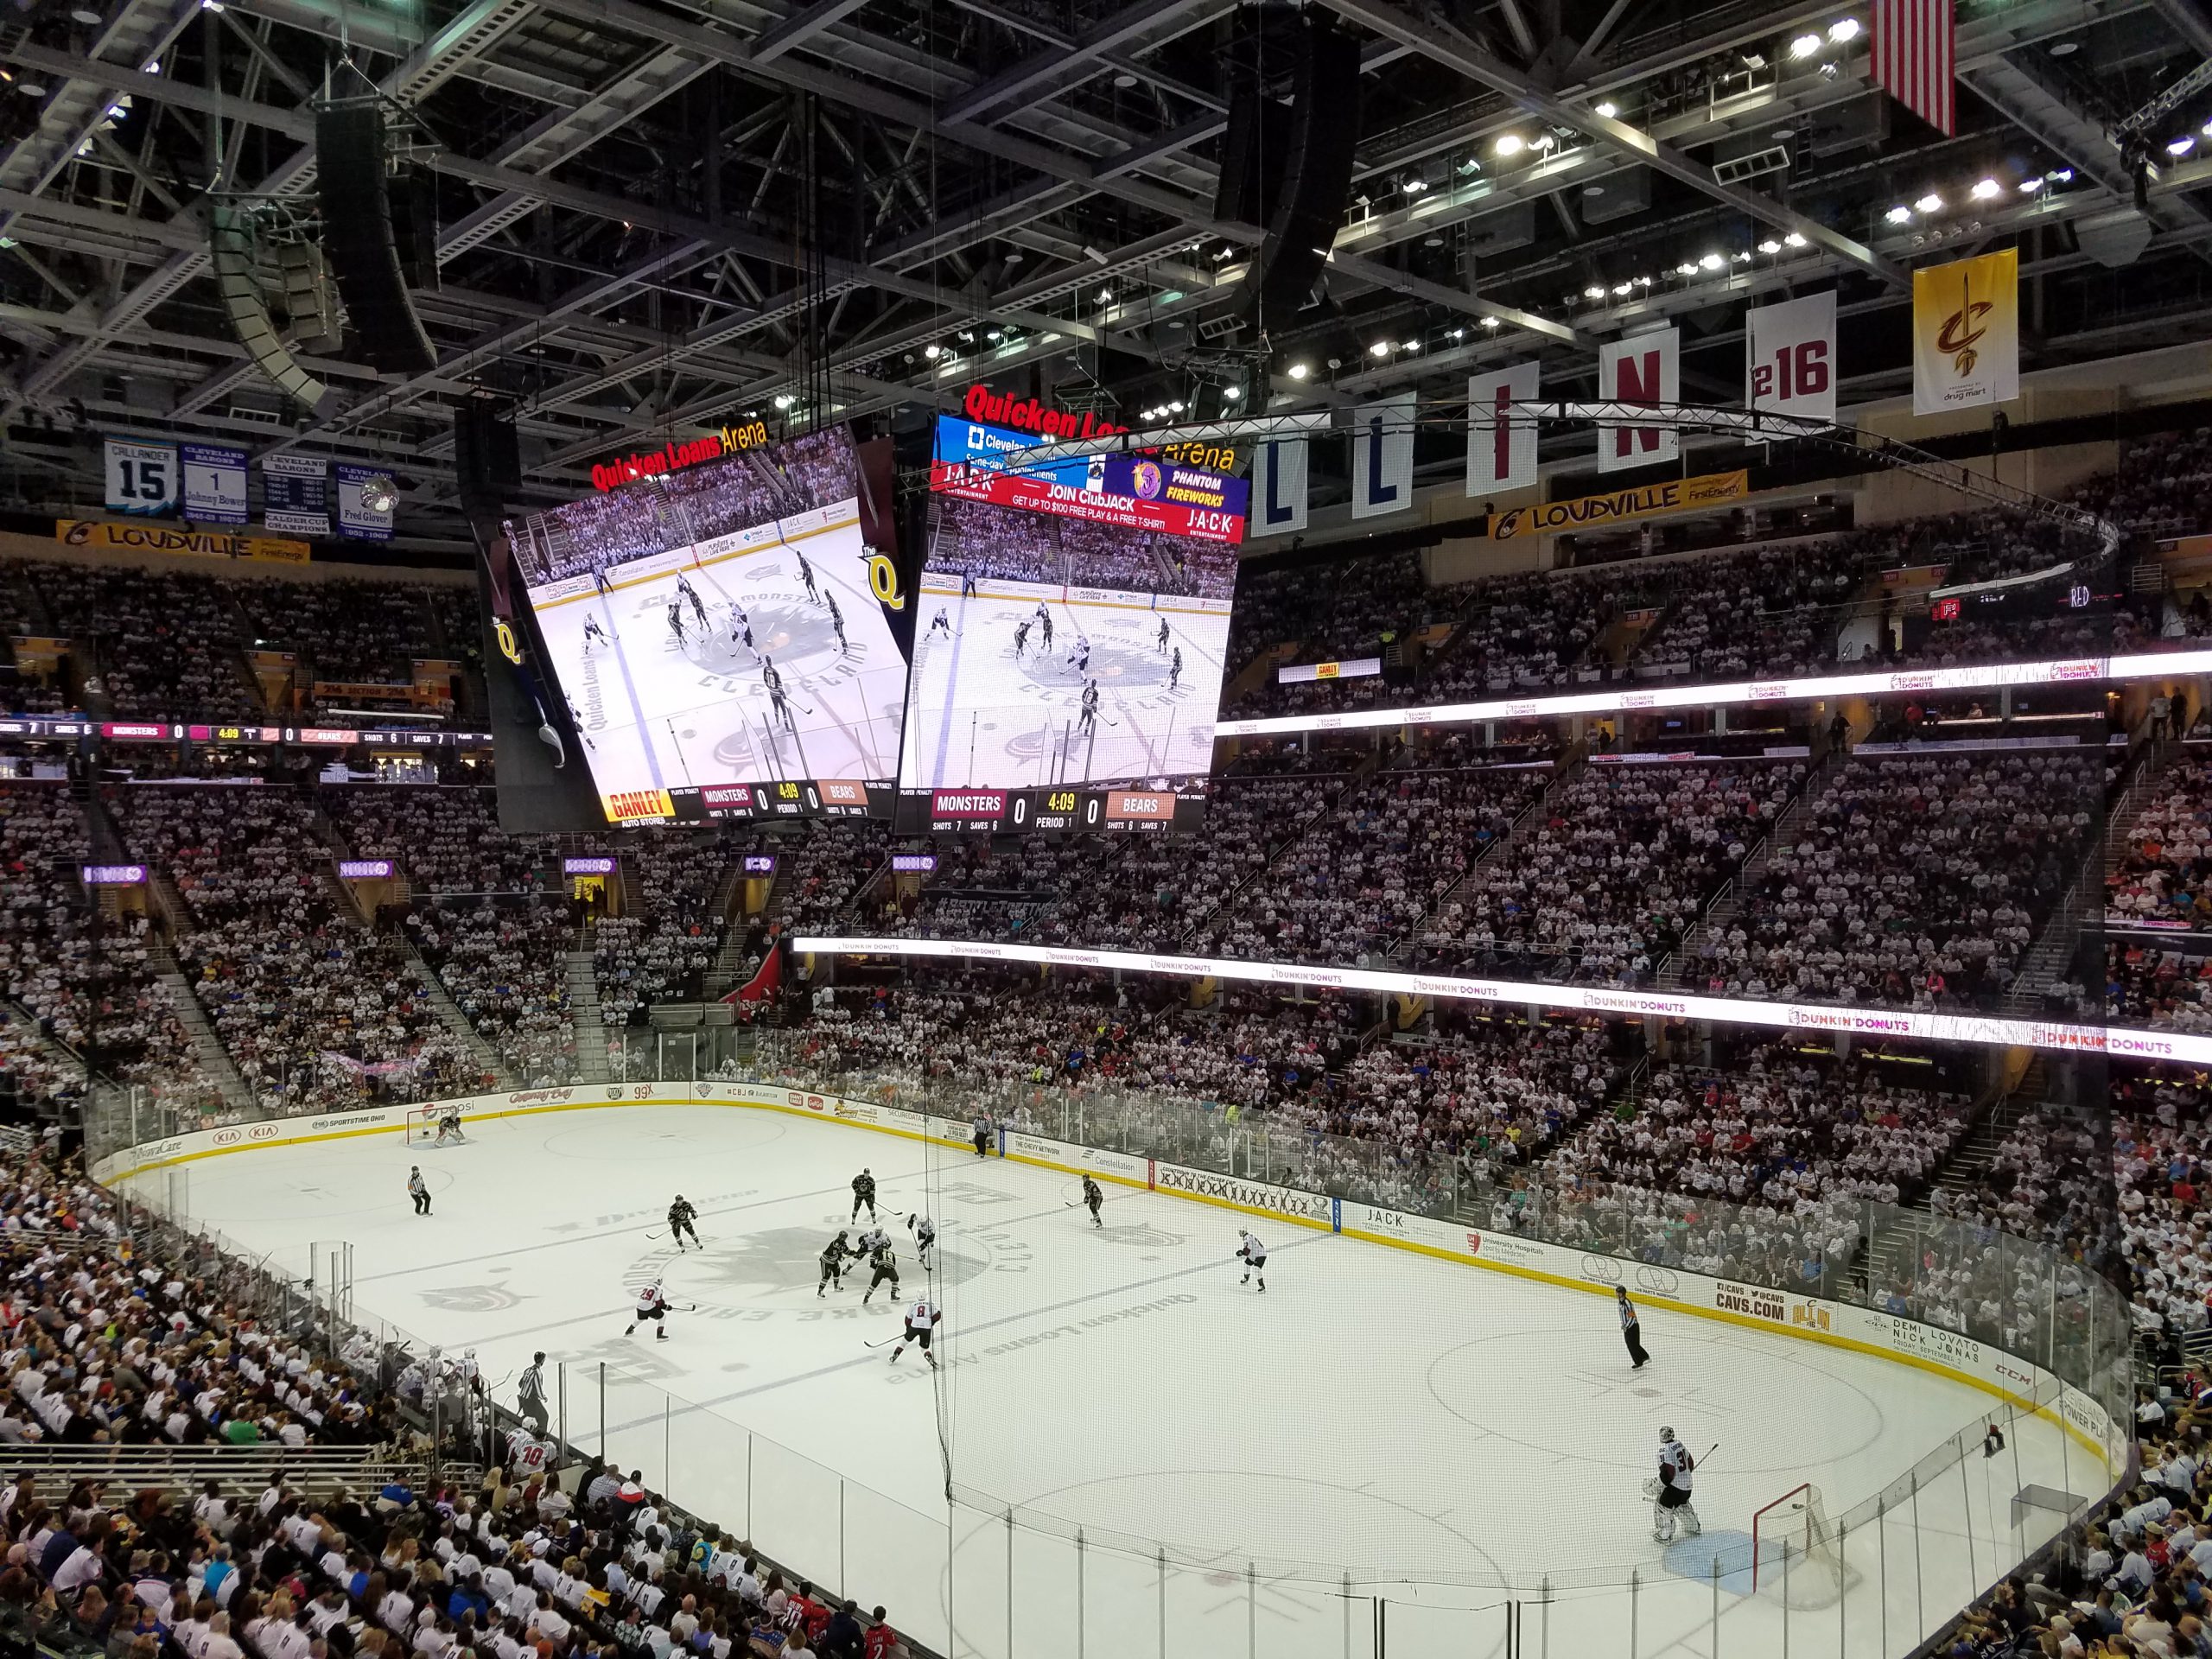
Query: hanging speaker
[[357, 235], [487, 455], [237, 279], [1253, 152], [415, 225], [1317, 173]]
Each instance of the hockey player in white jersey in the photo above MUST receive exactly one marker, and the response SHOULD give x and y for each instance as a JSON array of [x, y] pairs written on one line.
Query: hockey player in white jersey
[[870, 1241], [924, 1232], [921, 1319], [1254, 1256], [652, 1307], [1669, 1490]]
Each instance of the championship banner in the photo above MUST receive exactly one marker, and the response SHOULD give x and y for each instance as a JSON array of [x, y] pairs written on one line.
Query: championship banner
[[1966, 333], [1621, 506], [140, 477], [296, 494], [214, 483], [158, 538], [1789, 358], [1382, 456], [1501, 447], [1643, 369], [1279, 487]]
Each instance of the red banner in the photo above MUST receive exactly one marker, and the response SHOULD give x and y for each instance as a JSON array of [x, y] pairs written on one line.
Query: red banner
[[1044, 494], [762, 985]]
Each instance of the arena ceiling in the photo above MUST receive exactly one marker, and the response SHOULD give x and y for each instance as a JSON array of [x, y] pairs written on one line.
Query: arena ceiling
[[657, 214]]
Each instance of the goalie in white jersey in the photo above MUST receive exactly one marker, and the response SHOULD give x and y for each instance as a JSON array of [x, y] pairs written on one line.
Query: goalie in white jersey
[[921, 1318], [1669, 1490]]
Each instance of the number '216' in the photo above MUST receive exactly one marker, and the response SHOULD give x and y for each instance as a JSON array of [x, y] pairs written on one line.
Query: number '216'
[[1798, 371]]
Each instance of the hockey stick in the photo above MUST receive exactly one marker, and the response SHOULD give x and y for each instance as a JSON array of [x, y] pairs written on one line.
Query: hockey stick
[[899, 1338]]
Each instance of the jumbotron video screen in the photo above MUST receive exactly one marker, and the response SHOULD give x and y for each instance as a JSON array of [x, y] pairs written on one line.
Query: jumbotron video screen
[[718, 631], [1068, 643]]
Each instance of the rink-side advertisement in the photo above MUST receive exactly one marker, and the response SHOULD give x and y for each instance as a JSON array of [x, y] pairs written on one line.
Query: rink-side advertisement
[[723, 634], [1072, 631]]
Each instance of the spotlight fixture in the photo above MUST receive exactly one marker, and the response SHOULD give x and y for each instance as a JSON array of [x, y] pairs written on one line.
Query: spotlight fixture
[[378, 493], [1898, 216], [1607, 108], [1299, 371], [1803, 46], [1232, 394], [1984, 188], [784, 400], [1844, 30], [1930, 203], [1409, 345], [1490, 322], [2029, 187], [1794, 239], [1769, 246], [1415, 187], [1712, 262], [1175, 408], [932, 351], [2179, 147], [85, 15], [1593, 292], [1508, 143], [1380, 348], [1622, 290], [1686, 269], [2061, 176]]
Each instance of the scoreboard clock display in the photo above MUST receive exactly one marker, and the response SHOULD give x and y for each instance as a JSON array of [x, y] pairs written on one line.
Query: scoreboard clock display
[[1049, 812]]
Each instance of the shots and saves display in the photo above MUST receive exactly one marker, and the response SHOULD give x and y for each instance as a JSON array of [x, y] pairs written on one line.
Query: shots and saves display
[[1052, 647], [720, 628]]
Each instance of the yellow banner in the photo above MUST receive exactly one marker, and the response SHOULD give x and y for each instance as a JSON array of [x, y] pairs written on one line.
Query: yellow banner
[[1966, 333], [625, 804], [1619, 507], [163, 538]]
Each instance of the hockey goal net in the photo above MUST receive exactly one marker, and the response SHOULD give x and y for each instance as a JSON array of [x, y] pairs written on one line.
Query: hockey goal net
[[1794, 1553], [422, 1124]]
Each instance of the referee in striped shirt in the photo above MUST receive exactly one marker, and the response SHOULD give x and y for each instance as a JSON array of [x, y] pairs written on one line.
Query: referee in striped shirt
[[1631, 1332]]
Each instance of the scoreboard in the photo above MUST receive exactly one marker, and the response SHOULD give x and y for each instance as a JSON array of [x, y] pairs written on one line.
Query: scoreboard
[[1051, 810], [786, 797]]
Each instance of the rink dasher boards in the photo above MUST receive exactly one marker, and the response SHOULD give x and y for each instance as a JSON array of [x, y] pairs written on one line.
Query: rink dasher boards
[[2018, 1382]]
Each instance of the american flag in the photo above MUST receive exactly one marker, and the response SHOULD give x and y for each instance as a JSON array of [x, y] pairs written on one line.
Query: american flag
[[1915, 57]]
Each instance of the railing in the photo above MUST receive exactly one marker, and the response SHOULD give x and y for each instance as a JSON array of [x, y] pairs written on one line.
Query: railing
[[990, 1578]]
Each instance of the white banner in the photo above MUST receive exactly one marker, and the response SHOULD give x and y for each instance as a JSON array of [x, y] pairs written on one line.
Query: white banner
[[1643, 369], [356, 517], [1501, 450], [214, 484], [140, 477], [1278, 489], [296, 494], [1382, 456], [1789, 358]]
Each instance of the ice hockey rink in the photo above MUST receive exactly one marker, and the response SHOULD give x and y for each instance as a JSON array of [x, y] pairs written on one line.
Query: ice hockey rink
[[984, 715], [664, 712], [1384, 1452]]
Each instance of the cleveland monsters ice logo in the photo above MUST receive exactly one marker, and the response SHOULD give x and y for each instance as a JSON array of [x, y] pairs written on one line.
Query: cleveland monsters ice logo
[[472, 1298]]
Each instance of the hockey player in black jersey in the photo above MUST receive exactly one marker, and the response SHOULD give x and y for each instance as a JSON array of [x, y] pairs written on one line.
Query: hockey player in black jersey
[[1092, 1198], [887, 1269], [681, 1216], [834, 1255], [864, 1193]]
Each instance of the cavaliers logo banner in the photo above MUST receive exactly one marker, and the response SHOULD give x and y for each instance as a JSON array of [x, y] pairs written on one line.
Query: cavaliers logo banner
[[1966, 333]]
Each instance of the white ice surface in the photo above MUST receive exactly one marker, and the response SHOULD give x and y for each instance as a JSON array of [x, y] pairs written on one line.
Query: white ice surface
[[1376, 1415], [983, 716]]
